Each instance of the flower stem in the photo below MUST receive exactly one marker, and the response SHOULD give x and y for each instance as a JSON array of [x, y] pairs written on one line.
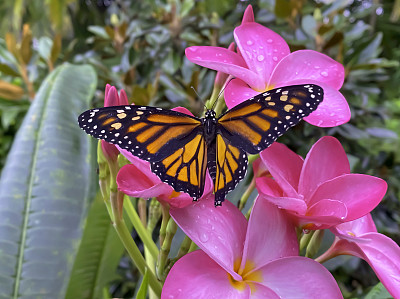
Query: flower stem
[[192, 247], [329, 254], [305, 240], [131, 247], [166, 247], [144, 235], [315, 243], [185, 246], [164, 222], [246, 194]]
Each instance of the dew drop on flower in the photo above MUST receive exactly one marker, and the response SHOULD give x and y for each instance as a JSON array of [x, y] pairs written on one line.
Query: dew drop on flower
[[316, 67], [203, 237], [269, 40], [249, 42], [324, 74], [275, 58], [260, 58]]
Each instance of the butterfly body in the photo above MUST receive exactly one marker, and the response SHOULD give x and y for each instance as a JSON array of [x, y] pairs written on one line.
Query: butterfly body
[[180, 147]]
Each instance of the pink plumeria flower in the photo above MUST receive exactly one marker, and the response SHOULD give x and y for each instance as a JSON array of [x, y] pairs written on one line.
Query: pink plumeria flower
[[237, 259], [360, 238], [138, 180], [111, 98], [319, 192], [264, 62]]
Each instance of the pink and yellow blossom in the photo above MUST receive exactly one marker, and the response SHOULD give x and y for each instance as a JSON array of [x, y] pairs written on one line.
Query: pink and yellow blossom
[[264, 62], [361, 239], [240, 259], [318, 192]]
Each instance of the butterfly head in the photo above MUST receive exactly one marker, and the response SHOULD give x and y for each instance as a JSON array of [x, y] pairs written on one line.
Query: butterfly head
[[210, 114]]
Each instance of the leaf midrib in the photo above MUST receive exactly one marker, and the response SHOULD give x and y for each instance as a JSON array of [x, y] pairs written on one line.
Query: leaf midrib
[[30, 188]]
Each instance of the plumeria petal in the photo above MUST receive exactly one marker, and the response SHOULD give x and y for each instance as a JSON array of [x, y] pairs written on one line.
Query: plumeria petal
[[285, 166], [111, 96], [236, 92], [262, 49], [269, 189], [248, 15], [324, 214], [309, 65], [360, 193], [356, 227], [379, 251], [299, 277], [261, 292], [223, 60], [325, 160], [196, 275], [123, 98], [141, 184], [333, 111], [220, 232], [182, 110], [267, 223], [383, 255]]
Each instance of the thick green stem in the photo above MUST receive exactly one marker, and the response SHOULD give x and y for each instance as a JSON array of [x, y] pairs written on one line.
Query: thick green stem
[[166, 247], [144, 235], [164, 223], [315, 243], [305, 240], [132, 249], [185, 245], [154, 215], [246, 194], [192, 247]]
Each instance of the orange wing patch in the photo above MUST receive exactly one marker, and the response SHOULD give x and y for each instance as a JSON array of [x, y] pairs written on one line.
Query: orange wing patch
[[185, 169], [231, 165]]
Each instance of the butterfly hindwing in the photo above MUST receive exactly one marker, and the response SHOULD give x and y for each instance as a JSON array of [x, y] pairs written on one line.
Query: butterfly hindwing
[[149, 133], [185, 168], [256, 123], [227, 165]]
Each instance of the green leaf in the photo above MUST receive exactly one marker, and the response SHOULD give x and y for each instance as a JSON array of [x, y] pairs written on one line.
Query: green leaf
[[141, 294], [45, 44], [45, 187], [98, 256], [378, 292]]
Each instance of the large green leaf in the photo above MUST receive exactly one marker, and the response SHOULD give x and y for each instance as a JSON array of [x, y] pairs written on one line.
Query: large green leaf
[[98, 256], [45, 188]]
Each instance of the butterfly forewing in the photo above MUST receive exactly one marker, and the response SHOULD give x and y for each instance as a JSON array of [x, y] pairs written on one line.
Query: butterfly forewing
[[185, 168], [256, 123], [149, 133]]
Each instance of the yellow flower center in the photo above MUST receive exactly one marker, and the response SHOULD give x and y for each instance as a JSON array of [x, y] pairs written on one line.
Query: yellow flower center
[[248, 274]]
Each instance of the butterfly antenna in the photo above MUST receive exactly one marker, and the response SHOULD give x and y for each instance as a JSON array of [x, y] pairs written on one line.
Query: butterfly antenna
[[195, 91], [222, 90]]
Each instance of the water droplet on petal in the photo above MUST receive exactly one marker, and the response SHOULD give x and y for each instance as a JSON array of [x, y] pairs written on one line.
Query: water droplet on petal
[[316, 67], [275, 58], [269, 40], [249, 42], [260, 58], [324, 74], [203, 237]]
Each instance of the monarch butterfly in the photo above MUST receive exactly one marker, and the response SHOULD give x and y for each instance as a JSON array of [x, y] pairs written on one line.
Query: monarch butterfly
[[181, 147]]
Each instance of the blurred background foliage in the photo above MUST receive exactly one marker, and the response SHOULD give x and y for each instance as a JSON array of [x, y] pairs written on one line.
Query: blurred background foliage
[[139, 46]]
